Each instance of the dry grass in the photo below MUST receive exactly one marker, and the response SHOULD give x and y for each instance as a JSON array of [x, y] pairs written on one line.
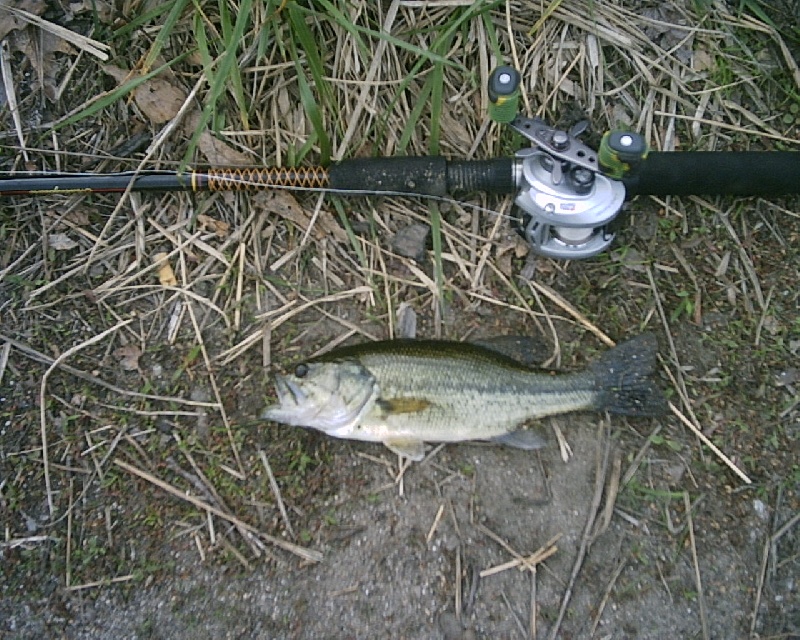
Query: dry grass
[[135, 356]]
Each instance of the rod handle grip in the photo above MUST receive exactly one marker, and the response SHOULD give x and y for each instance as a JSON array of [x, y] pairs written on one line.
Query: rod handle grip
[[740, 173], [423, 175]]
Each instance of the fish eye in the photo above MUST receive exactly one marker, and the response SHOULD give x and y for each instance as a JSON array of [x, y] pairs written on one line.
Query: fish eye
[[301, 370]]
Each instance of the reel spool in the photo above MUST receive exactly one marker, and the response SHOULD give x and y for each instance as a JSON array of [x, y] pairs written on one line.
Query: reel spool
[[568, 193], [565, 204], [569, 219]]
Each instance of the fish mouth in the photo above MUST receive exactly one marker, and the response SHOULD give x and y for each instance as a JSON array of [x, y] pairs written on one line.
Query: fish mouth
[[290, 397], [289, 392]]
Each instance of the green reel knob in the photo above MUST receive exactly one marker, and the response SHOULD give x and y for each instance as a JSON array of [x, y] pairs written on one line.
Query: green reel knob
[[504, 94], [620, 151]]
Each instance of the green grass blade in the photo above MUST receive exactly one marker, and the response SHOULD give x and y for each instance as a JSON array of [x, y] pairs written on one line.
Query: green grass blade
[[164, 33], [436, 82], [413, 118], [138, 22], [227, 63], [447, 33], [756, 9], [548, 11], [351, 235], [332, 12], [315, 67], [309, 45], [231, 40], [355, 30], [491, 32], [314, 114], [201, 38]]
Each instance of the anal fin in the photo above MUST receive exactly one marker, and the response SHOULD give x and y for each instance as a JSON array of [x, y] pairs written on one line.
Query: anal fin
[[521, 439], [406, 447]]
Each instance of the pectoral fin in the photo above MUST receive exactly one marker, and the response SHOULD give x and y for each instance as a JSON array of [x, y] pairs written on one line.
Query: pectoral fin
[[407, 447], [521, 439]]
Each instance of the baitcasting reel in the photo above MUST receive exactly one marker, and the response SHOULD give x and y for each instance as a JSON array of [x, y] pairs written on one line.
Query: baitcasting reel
[[566, 199]]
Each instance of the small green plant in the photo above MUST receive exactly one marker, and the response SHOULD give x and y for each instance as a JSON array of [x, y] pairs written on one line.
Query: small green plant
[[300, 461], [661, 440], [467, 469], [685, 306]]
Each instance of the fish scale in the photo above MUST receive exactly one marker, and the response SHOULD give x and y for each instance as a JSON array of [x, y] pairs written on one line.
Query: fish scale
[[408, 392], [469, 398]]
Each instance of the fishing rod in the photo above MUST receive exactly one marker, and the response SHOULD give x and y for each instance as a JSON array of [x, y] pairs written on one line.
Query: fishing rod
[[566, 193]]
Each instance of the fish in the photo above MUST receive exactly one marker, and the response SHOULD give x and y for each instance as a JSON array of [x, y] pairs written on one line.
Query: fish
[[405, 393]]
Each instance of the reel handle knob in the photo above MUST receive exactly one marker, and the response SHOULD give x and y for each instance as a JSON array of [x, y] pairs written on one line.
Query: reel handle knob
[[620, 151], [504, 92]]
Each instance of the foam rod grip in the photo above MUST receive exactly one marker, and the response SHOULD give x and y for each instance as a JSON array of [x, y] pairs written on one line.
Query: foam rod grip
[[746, 173], [422, 175]]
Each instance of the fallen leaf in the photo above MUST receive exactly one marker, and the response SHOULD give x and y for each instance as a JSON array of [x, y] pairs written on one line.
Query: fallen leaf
[[78, 400], [59, 219], [521, 247], [119, 74], [217, 153], [158, 98], [129, 357], [632, 259], [504, 263], [702, 61], [166, 276], [666, 29], [510, 247], [284, 102], [9, 22], [78, 217], [216, 226], [286, 206], [61, 242], [103, 10], [40, 48]]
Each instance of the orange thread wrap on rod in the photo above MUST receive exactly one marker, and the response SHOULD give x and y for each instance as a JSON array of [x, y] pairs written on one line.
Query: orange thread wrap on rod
[[266, 178]]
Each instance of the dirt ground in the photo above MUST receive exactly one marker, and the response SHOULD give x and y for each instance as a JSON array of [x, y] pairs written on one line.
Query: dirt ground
[[389, 572], [142, 497]]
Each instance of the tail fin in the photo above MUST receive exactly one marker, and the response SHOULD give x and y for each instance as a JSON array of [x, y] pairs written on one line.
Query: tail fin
[[623, 378]]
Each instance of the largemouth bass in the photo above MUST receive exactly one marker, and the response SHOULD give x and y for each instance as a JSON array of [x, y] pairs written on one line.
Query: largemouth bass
[[404, 393]]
